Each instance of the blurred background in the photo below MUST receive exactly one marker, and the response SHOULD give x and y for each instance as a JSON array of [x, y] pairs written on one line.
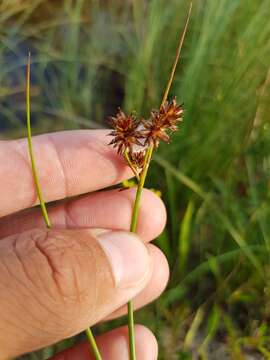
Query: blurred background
[[89, 57]]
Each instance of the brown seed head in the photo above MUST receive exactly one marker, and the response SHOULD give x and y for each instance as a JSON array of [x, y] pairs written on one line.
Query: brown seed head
[[162, 121], [170, 114], [125, 133]]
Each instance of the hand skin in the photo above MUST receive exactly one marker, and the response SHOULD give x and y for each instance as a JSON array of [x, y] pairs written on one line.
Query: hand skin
[[55, 283]]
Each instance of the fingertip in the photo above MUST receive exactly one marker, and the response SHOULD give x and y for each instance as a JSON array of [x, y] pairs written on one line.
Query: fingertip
[[114, 345], [155, 286], [146, 342], [152, 216], [123, 249], [161, 273], [155, 212]]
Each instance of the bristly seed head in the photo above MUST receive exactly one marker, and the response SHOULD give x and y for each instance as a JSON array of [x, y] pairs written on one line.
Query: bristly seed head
[[133, 136], [125, 132], [161, 121]]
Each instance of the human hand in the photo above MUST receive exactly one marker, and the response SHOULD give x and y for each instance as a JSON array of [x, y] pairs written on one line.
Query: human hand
[[55, 283]]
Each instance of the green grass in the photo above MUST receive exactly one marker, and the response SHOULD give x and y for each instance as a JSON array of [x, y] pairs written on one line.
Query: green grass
[[214, 177]]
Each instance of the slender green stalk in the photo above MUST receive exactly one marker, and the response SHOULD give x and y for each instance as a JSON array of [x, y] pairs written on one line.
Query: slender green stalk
[[136, 206], [30, 147], [93, 343], [45, 215], [131, 331], [133, 228]]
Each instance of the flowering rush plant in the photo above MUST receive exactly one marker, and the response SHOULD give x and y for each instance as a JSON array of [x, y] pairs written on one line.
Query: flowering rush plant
[[135, 139]]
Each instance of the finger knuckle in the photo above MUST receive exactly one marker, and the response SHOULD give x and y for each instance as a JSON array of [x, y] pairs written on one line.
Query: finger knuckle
[[57, 259], [66, 263]]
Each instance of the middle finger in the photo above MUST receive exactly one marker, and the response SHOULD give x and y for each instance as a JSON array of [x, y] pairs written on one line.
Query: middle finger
[[106, 209]]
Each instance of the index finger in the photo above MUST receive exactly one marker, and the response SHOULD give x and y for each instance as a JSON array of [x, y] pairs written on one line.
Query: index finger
[[69, 163]]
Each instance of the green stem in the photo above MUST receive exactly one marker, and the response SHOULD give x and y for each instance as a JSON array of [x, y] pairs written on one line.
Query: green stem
[[136, 207], [133, 228], [131, 331], [45, 215], [93, 343], [30, 148]]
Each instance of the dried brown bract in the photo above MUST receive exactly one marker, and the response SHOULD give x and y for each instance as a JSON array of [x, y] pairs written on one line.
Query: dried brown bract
[[125, 133]]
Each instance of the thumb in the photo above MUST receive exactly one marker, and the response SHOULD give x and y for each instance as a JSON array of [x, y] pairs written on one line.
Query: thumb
[[54, 284]]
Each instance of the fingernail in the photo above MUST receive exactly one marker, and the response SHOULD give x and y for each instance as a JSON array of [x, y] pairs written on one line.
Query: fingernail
[[128, 256]]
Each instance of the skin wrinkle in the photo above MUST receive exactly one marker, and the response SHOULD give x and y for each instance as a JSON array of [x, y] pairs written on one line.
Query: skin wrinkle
[[111, 156], [101, 273], [96, 294], [107, 157], [96, 300], [50, 259], [69, 221], [51, 267], [12, 297], [25, 157], [48, 141], [78, 292], [16, 252], [12, 275], [62, 223], [97, 213], [19, 303], [19, 321], [61, 166], [20, 260], [16, 347], [71, 326], [56, 314]]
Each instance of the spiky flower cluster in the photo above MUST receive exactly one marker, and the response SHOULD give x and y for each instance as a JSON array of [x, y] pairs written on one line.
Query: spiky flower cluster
[[125, 133], [161, 122], [132, 136]]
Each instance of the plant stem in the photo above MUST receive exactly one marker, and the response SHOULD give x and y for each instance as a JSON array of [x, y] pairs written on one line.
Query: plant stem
[[133, 228], [177, 58], [136, 206], [45, 215], [135, 211], [93, 343], [30, 147], [131, 331]]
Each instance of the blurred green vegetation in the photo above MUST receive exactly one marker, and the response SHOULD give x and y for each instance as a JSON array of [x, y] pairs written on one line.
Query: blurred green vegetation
[[91, 56]]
